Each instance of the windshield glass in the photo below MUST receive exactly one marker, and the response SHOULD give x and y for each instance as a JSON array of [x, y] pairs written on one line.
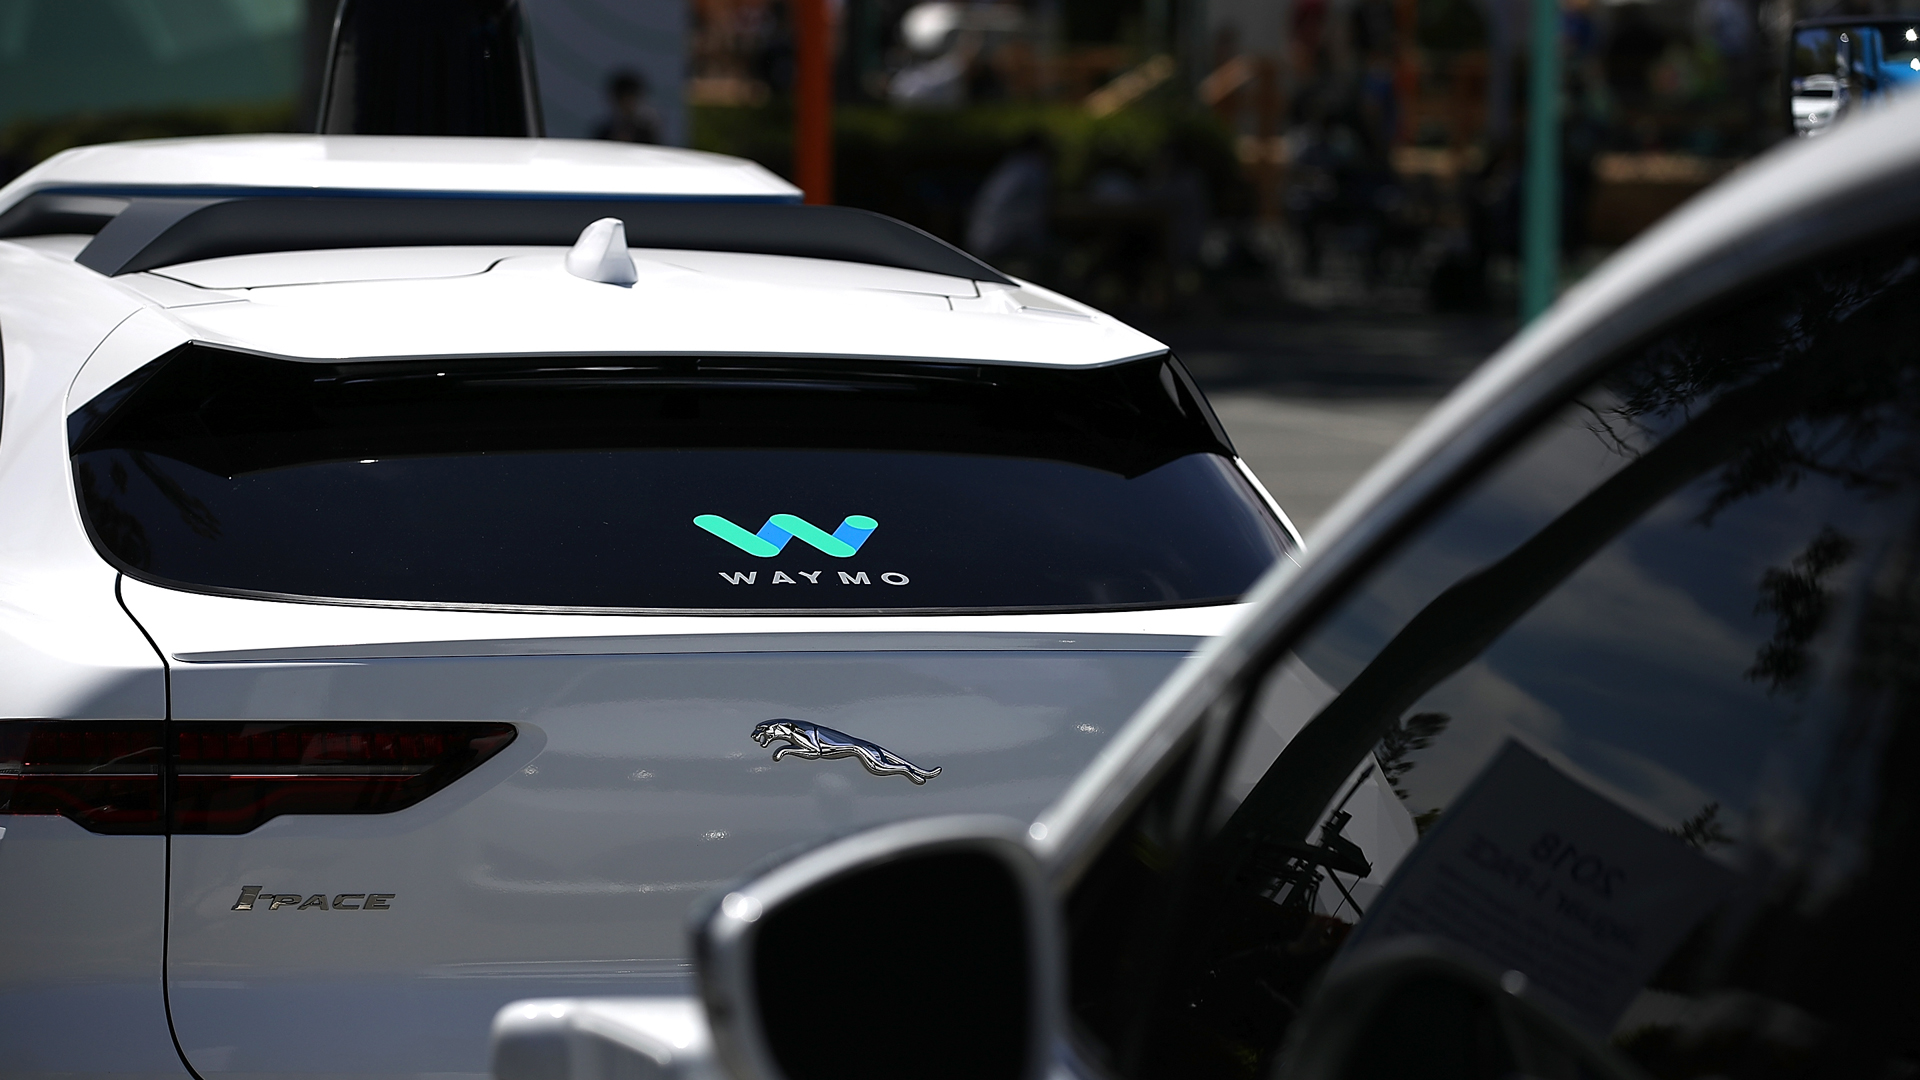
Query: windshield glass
[[1631, 718], [671, 483]]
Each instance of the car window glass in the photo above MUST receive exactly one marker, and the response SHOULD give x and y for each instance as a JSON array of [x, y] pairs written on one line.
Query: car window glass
[[666, 483], [1632, 716]]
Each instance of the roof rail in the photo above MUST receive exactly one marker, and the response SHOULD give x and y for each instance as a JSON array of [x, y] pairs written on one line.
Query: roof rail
[[163, 231]]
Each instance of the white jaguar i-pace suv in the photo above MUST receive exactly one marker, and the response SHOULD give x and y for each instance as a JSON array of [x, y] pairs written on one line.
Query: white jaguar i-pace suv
[[428, 565]]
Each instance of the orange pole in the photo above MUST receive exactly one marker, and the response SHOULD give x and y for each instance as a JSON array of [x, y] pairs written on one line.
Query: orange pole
[[813, 100]]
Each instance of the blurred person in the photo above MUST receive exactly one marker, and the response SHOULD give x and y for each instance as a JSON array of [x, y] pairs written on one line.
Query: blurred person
[[768, 31], [1121, 234], [942, 73], [1732, 28], [1341, 183], [633, 118], [1583, 134], [1179, 183], [1580, 35], [1114, 186], [1490, 205], [941, 82], [1378, 102], [1371, 29], [1009, 215], [1632, 50], [1309, 26], [1727, 24]]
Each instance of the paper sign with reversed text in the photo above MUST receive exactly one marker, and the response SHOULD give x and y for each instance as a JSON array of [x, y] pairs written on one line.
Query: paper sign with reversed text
[[1538, 873]]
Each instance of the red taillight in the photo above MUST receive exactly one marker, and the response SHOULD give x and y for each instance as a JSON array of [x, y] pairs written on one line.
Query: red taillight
[[230, 777], [104, 774]]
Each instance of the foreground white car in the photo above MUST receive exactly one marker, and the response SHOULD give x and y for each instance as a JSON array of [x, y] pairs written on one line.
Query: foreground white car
[[399, 599], [1631, 627]]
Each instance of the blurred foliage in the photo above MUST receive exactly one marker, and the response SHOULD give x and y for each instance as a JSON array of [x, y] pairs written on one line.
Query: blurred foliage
[[26, 143], [924, 166]]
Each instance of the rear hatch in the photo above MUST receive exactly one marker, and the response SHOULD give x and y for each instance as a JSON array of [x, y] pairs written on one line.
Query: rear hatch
[[565, 862], [468, 656]]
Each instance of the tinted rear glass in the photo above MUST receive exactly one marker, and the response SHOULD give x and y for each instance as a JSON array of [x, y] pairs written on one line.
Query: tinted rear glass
[[679, 483]]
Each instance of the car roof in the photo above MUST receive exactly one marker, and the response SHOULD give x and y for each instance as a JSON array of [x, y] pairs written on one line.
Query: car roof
[[368, 164], [378, 247], [167, 201]]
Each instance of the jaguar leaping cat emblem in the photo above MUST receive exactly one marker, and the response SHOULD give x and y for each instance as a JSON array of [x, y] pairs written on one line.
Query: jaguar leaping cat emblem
[[806, 739]]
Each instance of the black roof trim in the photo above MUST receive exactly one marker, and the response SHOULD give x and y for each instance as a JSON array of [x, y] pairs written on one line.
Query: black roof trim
[[47, 212], [163, 231]]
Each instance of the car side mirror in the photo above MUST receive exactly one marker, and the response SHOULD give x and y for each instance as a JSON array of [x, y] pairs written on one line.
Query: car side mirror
[[1421, 1009], [926, 948]]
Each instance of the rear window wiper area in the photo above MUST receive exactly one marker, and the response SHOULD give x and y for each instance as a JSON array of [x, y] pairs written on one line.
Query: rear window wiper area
[[576, 482]]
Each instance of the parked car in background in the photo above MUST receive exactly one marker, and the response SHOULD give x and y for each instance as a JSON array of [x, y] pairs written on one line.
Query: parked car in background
[[1628, 628], [1817, 102], [429, 564], [1838, 63]]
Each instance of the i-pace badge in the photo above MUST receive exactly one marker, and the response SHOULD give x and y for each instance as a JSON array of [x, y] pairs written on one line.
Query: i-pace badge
[[806, 739]]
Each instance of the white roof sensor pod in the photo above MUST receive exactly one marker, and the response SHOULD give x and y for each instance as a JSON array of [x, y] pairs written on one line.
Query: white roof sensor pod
[[601, 254]]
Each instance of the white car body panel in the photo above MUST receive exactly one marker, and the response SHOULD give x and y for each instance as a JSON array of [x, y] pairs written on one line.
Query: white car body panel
[[202, 626], [496, 900], [81, 916], [412, 164], [529, 304], [66, 649], [323, 267], [565, 865], [83, 930], [396, 263]]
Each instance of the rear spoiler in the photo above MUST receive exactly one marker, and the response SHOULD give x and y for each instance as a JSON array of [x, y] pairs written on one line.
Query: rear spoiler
[[140, 232]]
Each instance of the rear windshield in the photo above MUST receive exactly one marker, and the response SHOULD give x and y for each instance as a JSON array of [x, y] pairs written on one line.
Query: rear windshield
[[671, 483]]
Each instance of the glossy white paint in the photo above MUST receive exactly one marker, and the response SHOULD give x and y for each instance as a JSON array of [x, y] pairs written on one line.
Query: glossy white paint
[[132, 345], [758, 305], [564, 865], [401, 163], [61, 245], [66, 648], [346, 264], [200, 626], [388, 302], [395, 263], [80, 916], [601, 254], [81, 925]]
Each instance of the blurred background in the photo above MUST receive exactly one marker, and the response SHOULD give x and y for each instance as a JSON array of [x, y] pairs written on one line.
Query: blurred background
[[1317, 202]]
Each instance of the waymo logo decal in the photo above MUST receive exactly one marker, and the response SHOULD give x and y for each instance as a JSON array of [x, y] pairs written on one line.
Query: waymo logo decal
[[772, 538]]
